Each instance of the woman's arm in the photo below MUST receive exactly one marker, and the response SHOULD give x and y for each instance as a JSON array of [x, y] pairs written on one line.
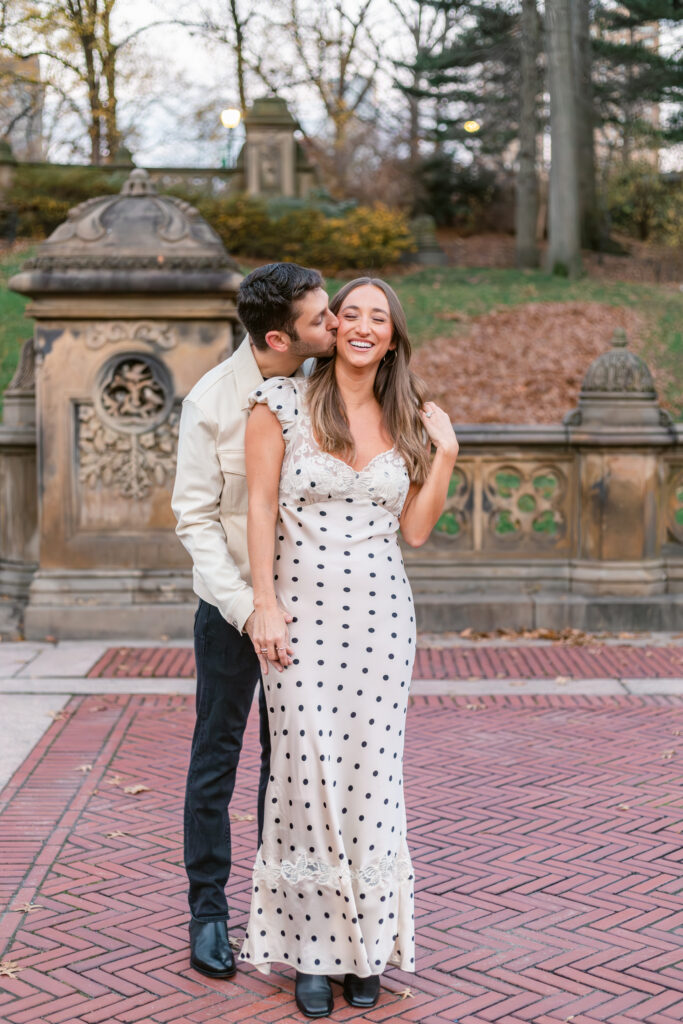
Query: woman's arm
[[264, 451], [424, 503]]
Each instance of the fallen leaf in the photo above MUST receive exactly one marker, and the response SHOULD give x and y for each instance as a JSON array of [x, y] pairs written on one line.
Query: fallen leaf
[[59, 716], [241, 817], [99, 707], [475, 707], [8, 969], [28, 908], [623, 807], [116, 835], [668, 754], [562, 680], [85, 768], [235, 943], [405, 994], [136, 788], [115, 780]]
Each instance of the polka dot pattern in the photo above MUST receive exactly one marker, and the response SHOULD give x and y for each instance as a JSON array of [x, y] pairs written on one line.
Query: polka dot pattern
[[333, 881]]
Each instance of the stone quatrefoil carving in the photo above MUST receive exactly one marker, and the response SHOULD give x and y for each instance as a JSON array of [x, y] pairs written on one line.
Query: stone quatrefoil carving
[[520, 502], [127, 438]]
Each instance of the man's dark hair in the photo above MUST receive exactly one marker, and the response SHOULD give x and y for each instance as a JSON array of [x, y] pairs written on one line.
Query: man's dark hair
[[266, 300]]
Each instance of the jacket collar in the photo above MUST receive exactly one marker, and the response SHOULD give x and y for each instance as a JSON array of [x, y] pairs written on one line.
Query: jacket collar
[[248, 369]]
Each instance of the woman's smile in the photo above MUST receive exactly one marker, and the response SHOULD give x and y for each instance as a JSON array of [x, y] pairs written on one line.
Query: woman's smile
[[365, 324]]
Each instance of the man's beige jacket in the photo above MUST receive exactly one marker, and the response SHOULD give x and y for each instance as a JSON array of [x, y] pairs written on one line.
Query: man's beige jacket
[[210, 493]]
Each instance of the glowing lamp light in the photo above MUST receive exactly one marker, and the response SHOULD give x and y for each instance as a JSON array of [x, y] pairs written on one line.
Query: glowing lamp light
[[471, 126], [230, 117]]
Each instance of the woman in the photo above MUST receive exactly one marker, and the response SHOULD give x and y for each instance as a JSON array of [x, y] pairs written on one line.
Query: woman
[[334, 465]]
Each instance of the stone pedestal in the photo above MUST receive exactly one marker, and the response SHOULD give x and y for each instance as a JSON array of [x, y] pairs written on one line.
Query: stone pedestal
[[133, 299], [620, 433], [274, 164]]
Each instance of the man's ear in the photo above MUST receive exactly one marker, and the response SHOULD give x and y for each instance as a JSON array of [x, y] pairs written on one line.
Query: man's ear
[[278, 341]]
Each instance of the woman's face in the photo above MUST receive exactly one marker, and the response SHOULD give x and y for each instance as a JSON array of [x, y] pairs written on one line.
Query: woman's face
[[365, 330]]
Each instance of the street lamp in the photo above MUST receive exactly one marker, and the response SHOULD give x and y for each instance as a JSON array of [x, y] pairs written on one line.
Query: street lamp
[[230, 118], [471, 127]]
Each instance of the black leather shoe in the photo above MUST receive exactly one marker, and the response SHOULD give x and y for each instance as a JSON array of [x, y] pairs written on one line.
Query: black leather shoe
[[313, 995], [361, 991], [210, 951]]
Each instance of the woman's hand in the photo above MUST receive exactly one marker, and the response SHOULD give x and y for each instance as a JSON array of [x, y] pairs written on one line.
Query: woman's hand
[[270, 637], [440, 430]]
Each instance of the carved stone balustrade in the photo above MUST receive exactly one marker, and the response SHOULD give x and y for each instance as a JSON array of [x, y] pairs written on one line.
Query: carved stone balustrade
[[579, 524], [133, 299]]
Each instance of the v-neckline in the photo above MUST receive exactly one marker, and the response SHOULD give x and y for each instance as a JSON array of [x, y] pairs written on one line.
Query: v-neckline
[[335, 458]]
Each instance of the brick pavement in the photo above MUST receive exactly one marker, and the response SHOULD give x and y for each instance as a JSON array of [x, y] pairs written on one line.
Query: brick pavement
[[545, 833], [484, 662]]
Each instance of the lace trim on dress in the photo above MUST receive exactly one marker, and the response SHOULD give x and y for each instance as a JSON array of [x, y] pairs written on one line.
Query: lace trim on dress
[[304, 869]]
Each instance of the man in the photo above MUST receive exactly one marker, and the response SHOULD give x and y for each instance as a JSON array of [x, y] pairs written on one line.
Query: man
[[285, 310]]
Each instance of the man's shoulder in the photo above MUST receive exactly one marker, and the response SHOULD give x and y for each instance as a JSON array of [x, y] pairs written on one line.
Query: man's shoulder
[[214, 382]]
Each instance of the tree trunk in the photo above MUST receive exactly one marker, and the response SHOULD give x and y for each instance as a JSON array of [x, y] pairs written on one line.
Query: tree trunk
[[564, 243], [526, 209], [585, 125], [238, 26], [108, 56]]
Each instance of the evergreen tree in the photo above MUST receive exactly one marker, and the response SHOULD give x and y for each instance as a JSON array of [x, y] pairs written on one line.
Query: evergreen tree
[[630, 74], [476, 75]]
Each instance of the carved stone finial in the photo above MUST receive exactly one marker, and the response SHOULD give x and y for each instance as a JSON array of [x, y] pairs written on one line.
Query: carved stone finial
[[618, 371], [138, 183], [24, 376]]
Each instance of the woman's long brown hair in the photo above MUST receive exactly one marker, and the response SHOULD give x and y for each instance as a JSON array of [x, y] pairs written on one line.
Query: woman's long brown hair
[[398, 390]]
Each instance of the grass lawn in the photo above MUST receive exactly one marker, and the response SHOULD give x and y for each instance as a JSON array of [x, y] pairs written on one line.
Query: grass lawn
[[14, 327], [426, 293]]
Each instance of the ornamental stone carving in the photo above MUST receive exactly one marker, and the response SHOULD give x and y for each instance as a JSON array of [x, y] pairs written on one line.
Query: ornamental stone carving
[[134, 393], [618, 371], [526, 502], [127, 436], [675, 523], [130, 463], [116, 331]]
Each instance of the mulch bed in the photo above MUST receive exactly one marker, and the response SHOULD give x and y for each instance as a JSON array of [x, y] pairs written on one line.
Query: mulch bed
[[521, 364]]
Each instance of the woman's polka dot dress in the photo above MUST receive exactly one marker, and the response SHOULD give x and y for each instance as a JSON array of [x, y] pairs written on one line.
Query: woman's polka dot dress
[[333, 883]]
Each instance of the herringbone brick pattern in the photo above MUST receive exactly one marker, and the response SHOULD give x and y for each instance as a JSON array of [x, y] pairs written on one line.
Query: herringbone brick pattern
[[545, 833], [531, 662]]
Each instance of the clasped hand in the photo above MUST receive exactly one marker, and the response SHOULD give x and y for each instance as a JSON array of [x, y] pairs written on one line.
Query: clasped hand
[[267, 629]]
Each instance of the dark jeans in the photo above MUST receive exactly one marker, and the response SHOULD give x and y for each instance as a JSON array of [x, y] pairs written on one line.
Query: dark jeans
[[227, 673]]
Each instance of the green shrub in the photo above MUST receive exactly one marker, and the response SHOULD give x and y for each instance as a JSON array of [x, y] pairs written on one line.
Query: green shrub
[[643, 204], [42, 196], [320, 233], [362, 237]]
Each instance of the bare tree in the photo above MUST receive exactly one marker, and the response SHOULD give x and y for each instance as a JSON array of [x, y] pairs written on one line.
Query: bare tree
[[76, 37], [526, 210], [564, 248], [335, 54]]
